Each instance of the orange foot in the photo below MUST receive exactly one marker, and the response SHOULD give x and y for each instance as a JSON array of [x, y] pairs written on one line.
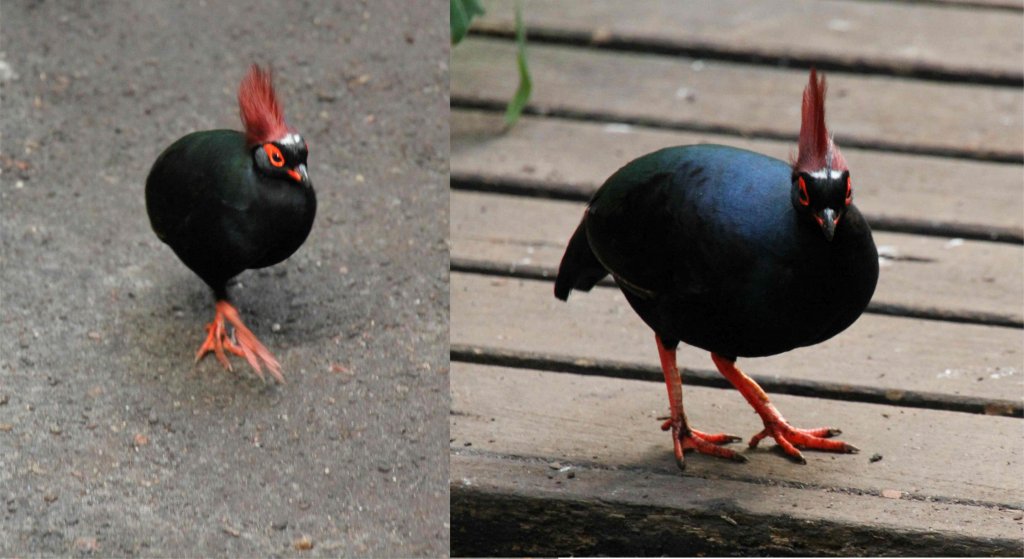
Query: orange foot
[[776, 426], [247, 346], [684, 438], [789, 437]]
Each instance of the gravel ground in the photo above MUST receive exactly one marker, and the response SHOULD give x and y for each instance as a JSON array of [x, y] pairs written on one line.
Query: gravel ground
[[110, 444]]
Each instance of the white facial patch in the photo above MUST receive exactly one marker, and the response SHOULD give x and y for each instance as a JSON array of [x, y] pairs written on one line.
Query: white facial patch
[[290, 139], [826, 173]]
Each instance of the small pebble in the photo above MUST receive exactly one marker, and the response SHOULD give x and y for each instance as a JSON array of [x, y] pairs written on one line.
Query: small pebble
[[303, 544], [875, 457], [892, 494], [85, 544], [555, 466], [55, 429]]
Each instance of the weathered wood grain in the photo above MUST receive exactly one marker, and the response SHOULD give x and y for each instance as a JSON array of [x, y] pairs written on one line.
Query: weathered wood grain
[[924, 272], [516, 507], [613, 423], [895, 354], [864, 111], [576, 157], [880, 36]]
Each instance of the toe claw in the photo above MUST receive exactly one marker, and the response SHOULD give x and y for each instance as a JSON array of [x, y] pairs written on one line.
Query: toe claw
[[681, 462]]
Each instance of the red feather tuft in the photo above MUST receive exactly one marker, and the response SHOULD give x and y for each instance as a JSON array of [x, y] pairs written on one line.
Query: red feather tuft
[[817, 150], [258, 106]]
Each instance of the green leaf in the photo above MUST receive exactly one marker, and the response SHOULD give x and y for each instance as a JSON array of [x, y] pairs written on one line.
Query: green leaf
[[522, 96], [462, 15]]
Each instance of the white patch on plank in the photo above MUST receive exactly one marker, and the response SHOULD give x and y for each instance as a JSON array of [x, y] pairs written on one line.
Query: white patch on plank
[[948, 373], [840, 25], [953, 243], [1000, 373], [617, 128], [686, 93]]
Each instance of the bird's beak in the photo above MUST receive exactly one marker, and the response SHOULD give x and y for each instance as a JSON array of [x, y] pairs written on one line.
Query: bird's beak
[[827, 219], [299, 174]]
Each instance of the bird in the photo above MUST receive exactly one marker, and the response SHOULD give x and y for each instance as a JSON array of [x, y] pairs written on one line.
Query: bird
[[736, 253], [226, 201]]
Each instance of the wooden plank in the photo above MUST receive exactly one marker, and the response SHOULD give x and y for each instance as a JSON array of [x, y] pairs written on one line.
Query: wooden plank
[[876, 112], [967, 277], [890, 36], [897, 354], [612, 424], [571, 156], [517, 507]]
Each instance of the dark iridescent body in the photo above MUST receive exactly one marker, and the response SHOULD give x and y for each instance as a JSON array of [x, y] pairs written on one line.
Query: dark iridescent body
[[734, 252], [228, 201]]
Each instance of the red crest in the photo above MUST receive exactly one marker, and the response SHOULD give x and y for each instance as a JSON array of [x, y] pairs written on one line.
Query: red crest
[[817, 150], [258, 106]]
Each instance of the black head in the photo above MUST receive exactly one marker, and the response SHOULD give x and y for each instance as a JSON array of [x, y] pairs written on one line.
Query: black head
[[822, 196], [284, 158]]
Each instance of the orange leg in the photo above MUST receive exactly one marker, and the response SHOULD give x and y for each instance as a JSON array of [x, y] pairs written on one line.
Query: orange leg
[[776, 426], [683, 437], [244, 345]]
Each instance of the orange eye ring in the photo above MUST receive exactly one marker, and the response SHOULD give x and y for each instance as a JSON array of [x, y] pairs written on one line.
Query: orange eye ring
[[274, 155], [849, 192], [805, 200]]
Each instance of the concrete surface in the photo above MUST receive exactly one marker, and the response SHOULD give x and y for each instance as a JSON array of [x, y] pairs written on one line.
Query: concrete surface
[[109, 444]]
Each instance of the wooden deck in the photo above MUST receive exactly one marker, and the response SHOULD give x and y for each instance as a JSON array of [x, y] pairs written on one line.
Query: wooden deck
[[555, 445]]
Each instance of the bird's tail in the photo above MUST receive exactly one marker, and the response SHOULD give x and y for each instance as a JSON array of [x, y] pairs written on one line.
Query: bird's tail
[[579, 269]]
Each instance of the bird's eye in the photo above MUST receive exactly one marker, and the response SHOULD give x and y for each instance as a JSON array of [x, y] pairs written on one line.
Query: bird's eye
[[805, 200], [274, 154], [849, 192]]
